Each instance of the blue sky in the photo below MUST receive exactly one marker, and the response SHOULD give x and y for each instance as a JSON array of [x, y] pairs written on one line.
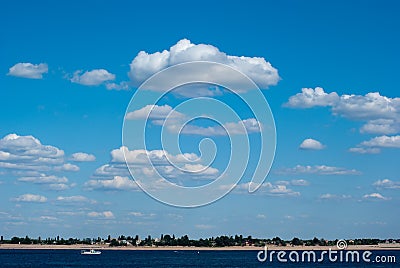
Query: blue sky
[[68, 74]]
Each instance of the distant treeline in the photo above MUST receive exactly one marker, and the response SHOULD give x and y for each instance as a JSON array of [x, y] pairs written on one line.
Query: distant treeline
[[168, 240]]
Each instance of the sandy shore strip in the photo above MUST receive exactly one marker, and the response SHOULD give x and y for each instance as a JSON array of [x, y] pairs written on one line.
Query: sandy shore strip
[[81, 247]]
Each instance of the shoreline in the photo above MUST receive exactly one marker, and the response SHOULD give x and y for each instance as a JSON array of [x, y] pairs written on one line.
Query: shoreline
[[180, 248]]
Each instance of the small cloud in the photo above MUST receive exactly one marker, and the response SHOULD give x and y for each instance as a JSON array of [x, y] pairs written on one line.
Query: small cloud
[[74, 198], [142, 215], [121, 86], [67, 167], [82, 157], [28, 70], [282, 190], [28, 154], [70, 213], [176, 217], [30, 198], [136, 214], [92, 78], [387, 184], [319, 170], [361, 150], [48, 218], [261, 216], [333, 196], [278, 189], [154, 112], [381, 126], [383, 141], [380, 113], [59, 186], [375, 196], [300, 182], [141, 156], [374, 145], [117, 183], [242, 127], [310, 97], [43, 179], [103, 215], [311, 144], [203, 226]]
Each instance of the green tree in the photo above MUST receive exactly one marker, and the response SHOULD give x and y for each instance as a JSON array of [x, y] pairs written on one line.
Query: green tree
[[315, 241], [296, 242], [15, 240]]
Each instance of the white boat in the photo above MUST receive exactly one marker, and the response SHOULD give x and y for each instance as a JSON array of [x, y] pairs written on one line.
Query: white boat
[[90, 252]]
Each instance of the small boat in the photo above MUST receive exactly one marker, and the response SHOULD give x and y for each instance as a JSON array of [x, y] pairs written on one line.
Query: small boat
[[90, 252]]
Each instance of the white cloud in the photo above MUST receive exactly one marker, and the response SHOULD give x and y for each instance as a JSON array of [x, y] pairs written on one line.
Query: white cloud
[[381, 126], [120, 86], [155, 164], [27, 153], [383, 141], [387, 184], [70, 213], [312, 97], [44, 179], [204, 226], [381, 113], [73, 199], [117, 183], [142, 156], [67, 167], [368, 107], [174, 122], [361, 150], [111, 170], [144, 64], [282, 190], [28, 146], [319, 170], [142, 215], [28, 70], [188, 165], [50, 182], [136, 214], [261, 216], [30, 198], [47, 218], [195, 90], [272, 189], [197, 168], [375, 196], [311, 144], [242, 127], [373, 145], [334, 196], [154, 112], [92, 78], [59, 186], [83, 157], [103, 214], [300, 182]]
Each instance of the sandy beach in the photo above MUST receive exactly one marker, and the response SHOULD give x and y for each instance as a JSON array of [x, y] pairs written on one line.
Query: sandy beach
[[79, 247]]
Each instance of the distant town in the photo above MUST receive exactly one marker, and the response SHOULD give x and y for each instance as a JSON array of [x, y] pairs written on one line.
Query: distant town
[[185, 241]]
